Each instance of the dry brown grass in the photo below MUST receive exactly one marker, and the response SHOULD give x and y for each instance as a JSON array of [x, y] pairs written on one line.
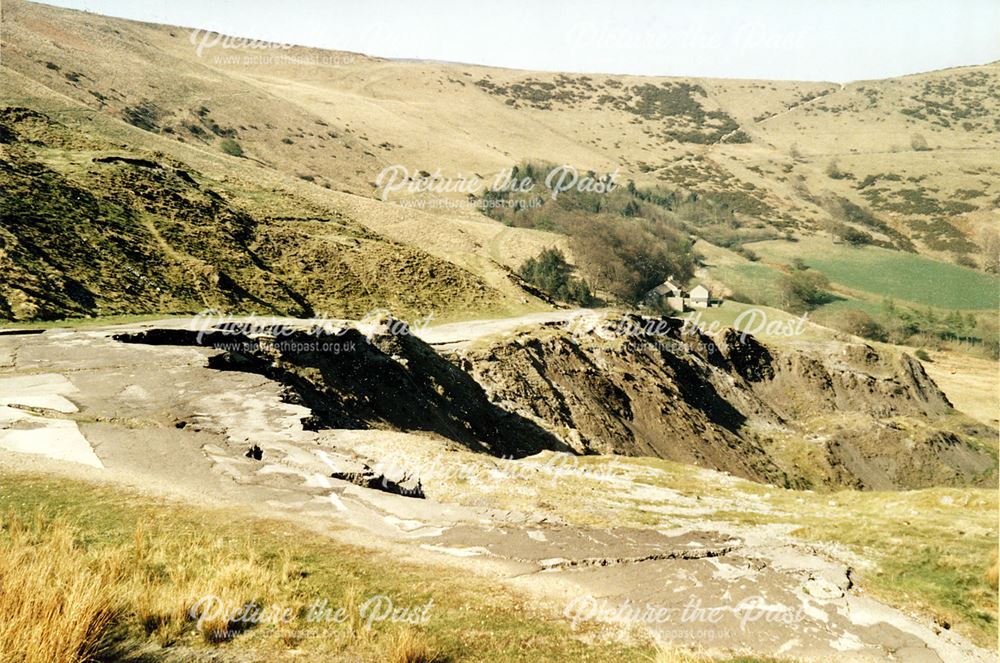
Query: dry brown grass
[[410, 646], [57, 604], [159, 558], [171, 581], [670, 653], [971, 383], [62, 603], [674, 654]]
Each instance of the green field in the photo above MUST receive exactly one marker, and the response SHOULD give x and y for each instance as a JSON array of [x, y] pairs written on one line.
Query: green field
[[763, 322], [901, 276], [753, 280]]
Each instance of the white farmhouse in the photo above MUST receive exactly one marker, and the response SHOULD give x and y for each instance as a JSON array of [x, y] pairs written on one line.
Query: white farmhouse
[[676, 298], [700, 297]]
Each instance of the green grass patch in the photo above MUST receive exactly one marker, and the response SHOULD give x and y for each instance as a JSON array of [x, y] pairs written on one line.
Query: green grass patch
[[758, 283], [901, 276], [927, 557]]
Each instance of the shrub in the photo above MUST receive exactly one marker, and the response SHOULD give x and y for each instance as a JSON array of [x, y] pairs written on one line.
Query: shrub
[[742, 297], [550, 272], [861, 324], [231, 147], [919, 143], [988, 329], [631, 209], [965, 261], [922, 355], [804, 290], [834, 172], [738, 137], [867, 182], [854, 237], [144, 115]]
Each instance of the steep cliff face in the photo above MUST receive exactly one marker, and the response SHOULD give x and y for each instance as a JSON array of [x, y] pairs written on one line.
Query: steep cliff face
[[842, 415], [835, 377], [736, 405], [661, 395], [862, 418]]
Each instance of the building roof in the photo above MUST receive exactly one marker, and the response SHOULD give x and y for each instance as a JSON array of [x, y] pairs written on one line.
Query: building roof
[[666, 288]]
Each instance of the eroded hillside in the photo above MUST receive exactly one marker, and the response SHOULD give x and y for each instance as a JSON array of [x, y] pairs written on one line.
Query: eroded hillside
[[853, 417], [239, 422]]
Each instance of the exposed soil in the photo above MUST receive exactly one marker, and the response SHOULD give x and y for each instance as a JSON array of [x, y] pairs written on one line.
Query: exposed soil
[[660, 392], [158, 416], [687, 398]]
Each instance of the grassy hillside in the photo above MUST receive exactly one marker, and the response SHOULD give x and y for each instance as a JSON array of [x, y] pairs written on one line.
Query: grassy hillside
[[905, 164], [338, 118], [894, 274], [90, 227]]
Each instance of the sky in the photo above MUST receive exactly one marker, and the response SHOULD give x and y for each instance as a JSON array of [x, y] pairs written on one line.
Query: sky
[[770, 39]]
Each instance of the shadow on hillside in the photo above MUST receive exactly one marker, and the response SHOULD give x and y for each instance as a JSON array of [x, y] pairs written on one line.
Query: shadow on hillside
[[393, 382]]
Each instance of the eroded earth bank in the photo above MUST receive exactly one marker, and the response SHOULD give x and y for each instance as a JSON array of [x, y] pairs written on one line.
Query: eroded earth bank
[[590, 461]]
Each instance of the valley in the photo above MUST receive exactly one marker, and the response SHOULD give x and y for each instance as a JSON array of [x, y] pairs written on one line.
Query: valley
[[282, 325]]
